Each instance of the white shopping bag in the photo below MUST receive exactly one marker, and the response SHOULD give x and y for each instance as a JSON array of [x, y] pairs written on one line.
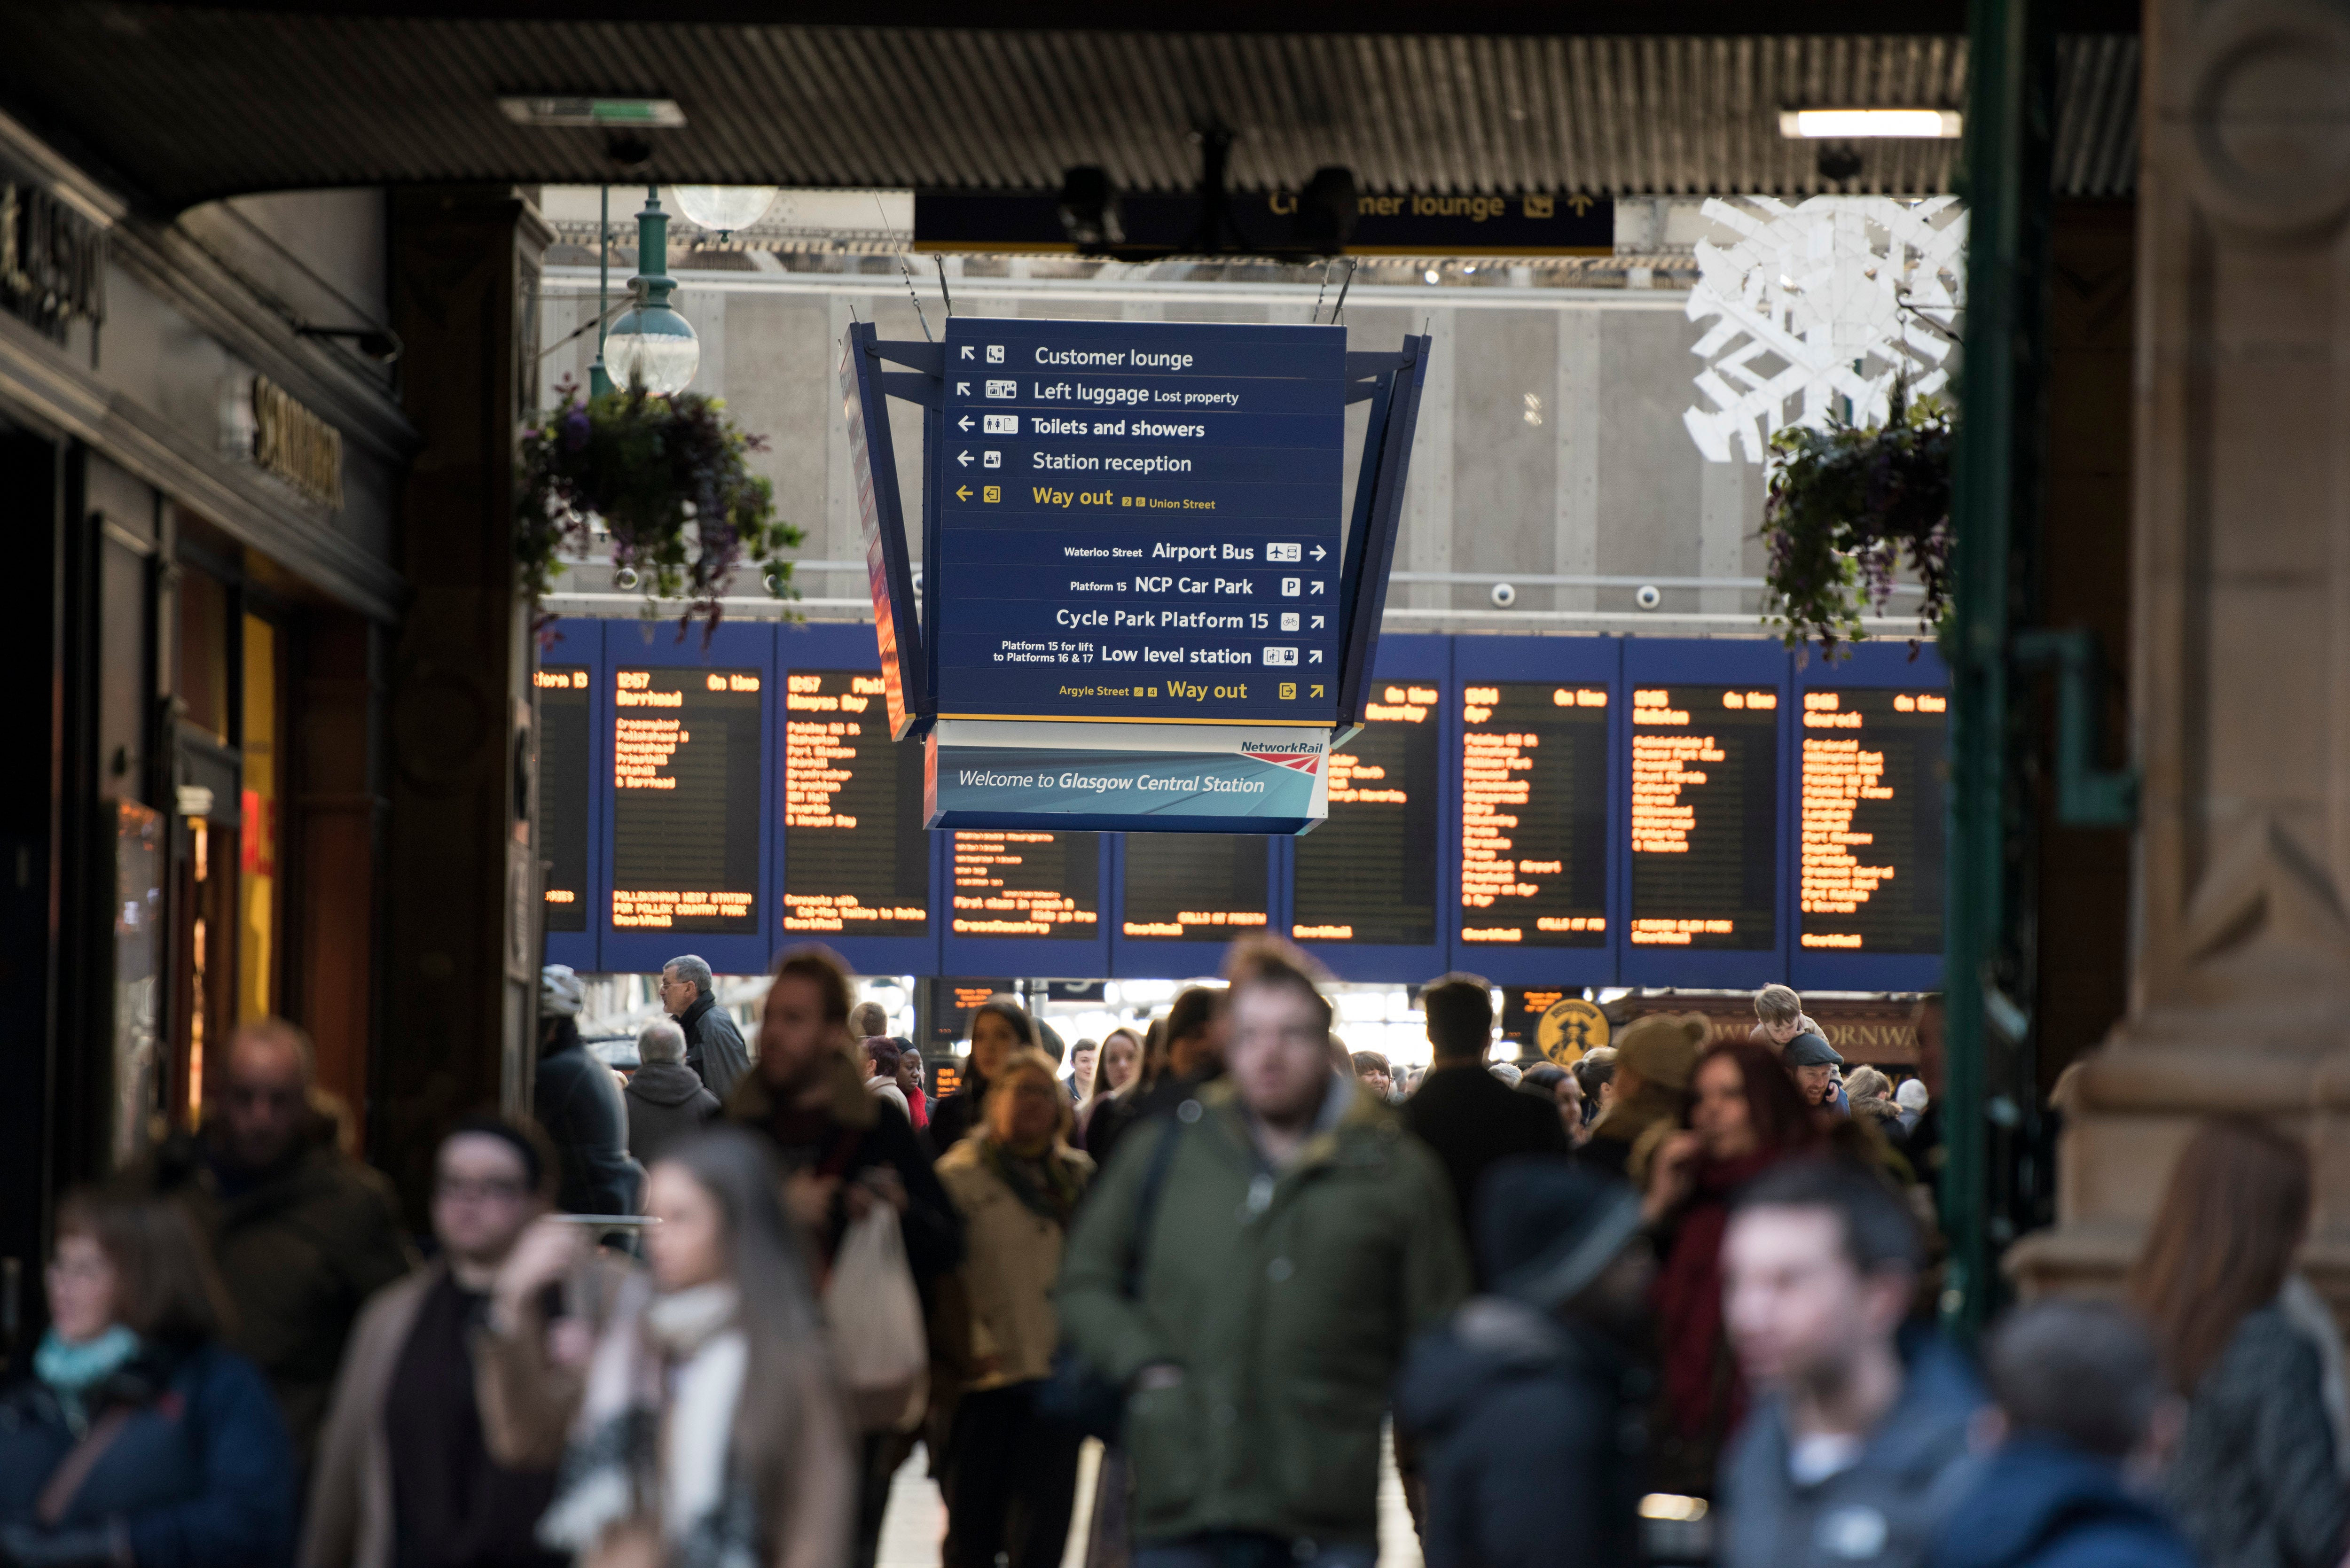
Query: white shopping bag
[[875, 1319]]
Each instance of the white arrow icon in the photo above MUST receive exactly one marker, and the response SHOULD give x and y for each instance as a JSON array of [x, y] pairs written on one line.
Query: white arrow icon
[[1313, 656], [962, 389], [1318, 623], [964, 423], [966, 350], [964, 458], [1317, 585], [1319, 552]]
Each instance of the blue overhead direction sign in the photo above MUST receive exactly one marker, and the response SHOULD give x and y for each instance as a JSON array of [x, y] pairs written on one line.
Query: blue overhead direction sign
[[1140, 522]]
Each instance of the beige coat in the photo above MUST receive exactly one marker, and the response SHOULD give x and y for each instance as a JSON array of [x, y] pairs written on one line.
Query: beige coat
[[349, 1520], [1012, 1257]]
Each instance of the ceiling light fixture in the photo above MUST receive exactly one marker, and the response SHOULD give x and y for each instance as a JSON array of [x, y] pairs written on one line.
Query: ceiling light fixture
[[1811, 124], [643, 113], [724, 209]]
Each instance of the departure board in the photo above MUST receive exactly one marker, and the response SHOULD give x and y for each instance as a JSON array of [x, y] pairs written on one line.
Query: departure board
[[1369, 874], [1533, 814], [1705, 809], [685, 791], [857, 859], [1012, 882], [1194, 887], [1871, 843], [564, 767]]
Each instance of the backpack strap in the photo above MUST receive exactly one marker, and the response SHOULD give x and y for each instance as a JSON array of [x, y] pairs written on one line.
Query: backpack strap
[[1145, 1205]]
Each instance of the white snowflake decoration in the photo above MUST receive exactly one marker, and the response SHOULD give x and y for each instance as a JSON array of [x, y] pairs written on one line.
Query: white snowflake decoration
[[1818, 304]]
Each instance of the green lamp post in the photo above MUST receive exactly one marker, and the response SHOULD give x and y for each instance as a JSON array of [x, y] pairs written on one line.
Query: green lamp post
[[652, 343]]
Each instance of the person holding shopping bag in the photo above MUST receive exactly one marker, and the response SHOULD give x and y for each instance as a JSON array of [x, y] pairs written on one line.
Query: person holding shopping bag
[[711, 1433], [1010, 1470]]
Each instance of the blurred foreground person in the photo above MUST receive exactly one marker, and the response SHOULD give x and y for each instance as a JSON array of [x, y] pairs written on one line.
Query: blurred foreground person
[[575, 1099], [1468, 1118], [710, 1430], [2084, 1419], [1537, 1378], [1747, 1118], [405, 1476], [666, 1101], [713, 1046], [842, 1151], [1297, 1239], [139, 1441], [2255, 1482], [998, 1028], [301, 1233], [1857, 1451], [1010, 1473]]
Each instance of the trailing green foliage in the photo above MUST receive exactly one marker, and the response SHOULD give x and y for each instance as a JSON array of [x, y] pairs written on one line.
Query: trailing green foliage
[[666, 476], [1847, 508]]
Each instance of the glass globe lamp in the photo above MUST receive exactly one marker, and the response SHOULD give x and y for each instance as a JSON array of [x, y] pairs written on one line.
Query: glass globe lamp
[[655, 345], [724, 208]]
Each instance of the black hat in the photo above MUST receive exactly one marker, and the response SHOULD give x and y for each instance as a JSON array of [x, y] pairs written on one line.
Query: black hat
[[1810, 1050], [1548, 1226]]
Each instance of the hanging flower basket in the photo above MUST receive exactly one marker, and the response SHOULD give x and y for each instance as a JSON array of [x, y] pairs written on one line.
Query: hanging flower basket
[[666, 477], [1847, 507]]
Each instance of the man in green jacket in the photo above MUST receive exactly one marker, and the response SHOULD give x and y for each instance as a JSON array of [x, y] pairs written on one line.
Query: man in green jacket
[[1298, 1241]]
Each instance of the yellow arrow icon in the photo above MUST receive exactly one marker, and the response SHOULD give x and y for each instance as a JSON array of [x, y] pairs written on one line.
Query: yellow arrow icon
[[962, 492]]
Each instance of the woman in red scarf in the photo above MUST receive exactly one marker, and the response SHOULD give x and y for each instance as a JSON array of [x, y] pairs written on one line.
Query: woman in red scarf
[[1745, 1116]]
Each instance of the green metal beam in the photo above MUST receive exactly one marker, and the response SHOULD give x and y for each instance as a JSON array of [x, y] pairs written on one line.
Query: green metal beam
[[1998, 481]]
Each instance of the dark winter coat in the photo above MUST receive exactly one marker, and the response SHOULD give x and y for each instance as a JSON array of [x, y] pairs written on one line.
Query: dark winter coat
[[2252, 1482], [666, 1102], [1888, 1509], [1529, 1434], [1286, 1297], [300, 1250], [956, 1115], [200, 1476], [579, 1105], [1471, 1119], [713, 1046], [854, 1131], [2041, 1505]]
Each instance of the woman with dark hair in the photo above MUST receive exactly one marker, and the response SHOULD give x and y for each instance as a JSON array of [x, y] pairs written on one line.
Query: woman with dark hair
[[1745, 1116], [2252, 1482], [1010, 1473], [138, 1440], [998, 1028], [711, 1430]]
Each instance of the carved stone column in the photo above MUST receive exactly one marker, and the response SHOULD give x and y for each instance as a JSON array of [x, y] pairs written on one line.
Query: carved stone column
[[2240, 993]]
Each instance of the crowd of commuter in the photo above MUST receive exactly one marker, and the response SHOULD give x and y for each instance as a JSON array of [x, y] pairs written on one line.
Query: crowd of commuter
[[703, 1317]]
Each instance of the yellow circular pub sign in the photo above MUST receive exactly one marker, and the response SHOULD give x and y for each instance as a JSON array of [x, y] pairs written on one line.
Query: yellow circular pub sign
[[1568, 1028]]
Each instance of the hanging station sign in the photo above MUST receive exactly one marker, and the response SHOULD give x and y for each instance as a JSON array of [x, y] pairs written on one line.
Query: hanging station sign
[[1139, 609]]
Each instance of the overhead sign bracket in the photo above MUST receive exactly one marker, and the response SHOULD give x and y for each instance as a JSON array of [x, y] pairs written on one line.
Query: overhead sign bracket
[[1393, 397]]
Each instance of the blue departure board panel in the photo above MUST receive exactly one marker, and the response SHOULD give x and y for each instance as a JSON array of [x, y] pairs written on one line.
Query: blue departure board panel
[[1872, 738], [684, 758], [1140, 521], [858, 868], [567, 683]]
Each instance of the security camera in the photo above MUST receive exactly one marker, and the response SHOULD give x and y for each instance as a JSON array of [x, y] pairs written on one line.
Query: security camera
[[1504, 595], [626, 579], [1649, 596]]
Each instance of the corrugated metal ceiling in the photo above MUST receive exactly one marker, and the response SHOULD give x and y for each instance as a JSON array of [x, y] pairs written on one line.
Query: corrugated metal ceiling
[[182, 105]]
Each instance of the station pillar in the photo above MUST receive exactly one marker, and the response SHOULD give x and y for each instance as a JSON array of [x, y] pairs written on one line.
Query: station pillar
[[2239, 645]]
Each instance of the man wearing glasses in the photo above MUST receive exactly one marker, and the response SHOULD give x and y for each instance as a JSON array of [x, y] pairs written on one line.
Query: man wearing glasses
[[404, 1471]]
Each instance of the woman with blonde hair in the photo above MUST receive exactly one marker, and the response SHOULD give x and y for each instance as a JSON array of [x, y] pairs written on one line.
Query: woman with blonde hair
[[1010, 1472], [2253, 1481], [709, 1428]]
